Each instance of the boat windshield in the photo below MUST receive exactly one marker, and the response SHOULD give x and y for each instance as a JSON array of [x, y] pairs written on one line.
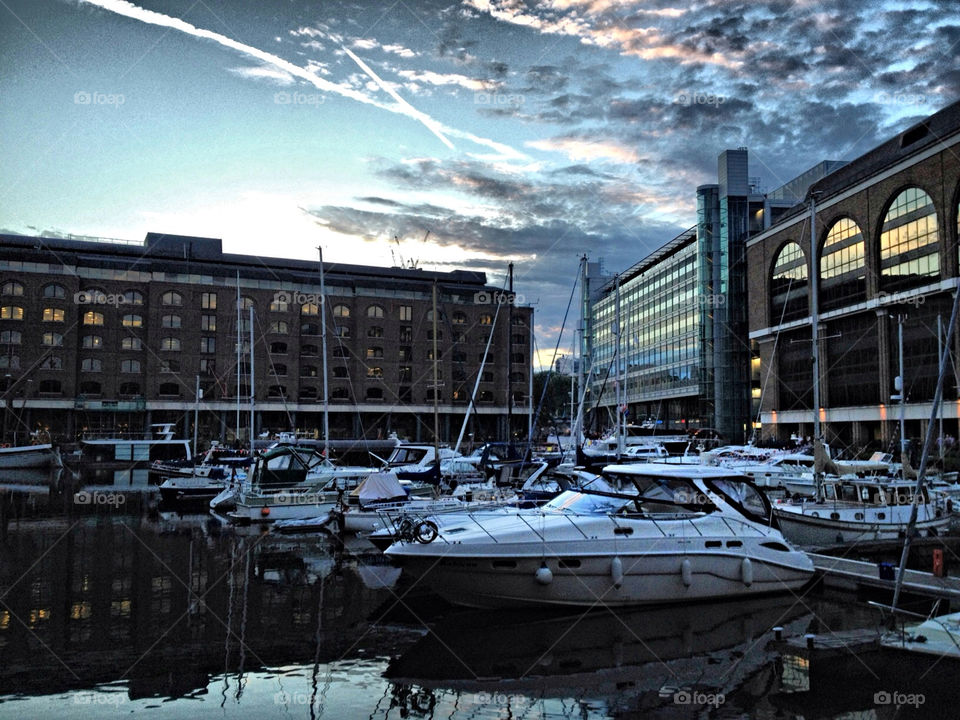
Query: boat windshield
[[407, 456], [586, 504]]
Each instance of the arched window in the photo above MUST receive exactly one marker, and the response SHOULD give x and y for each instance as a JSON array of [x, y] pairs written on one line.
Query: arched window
[[169, 389], [91, 365], [132, 321], [279, 328], [170, 321], [52, 362], [130, 388], [375, 331], [459, 318], [10, 361], [50, 387], [375, 311], [307, 393], [340, 394], [131, 343], [309, 329], [280, 303], [341, 372], [374, 393], [486, 319], [309, 309], [276, 391], [169, 365], [278, 369], [52, 339], [341, 311], [52, 315], [90, 387], [170, 343], [246, 302], [133, 297], [10, 337], [908, 242], [11, 312], [374, 372], [92, 317], [788, 285], [130, 366], [12, 287], [278, 348], [171, 298], [308, 350], [309, 371], [92, 342], [54, 291], [843, 275], [342, 331]]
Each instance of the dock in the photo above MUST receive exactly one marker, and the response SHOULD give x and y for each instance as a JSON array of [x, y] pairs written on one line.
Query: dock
[[855, 575]]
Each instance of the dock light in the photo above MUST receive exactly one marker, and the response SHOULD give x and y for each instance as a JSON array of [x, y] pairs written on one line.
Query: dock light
[[264, 511]]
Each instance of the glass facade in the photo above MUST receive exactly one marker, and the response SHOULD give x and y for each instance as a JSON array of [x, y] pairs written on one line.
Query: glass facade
[[788, 285], [843, 273], [658, 331]]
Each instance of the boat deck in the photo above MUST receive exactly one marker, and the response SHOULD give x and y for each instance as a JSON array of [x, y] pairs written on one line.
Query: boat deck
[[853, 575]]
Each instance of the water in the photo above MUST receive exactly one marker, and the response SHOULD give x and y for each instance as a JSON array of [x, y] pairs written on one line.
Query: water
[[107, 610]]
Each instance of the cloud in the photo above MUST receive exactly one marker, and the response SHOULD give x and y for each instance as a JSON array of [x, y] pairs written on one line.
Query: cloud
[[582, 149], [264, 72]]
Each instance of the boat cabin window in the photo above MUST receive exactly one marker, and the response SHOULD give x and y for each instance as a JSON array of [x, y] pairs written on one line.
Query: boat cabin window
[[279, 462], [743, 495], [407, 456], [670, 491]]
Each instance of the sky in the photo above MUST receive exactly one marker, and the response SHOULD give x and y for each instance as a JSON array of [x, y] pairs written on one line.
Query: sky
[[443, 134]]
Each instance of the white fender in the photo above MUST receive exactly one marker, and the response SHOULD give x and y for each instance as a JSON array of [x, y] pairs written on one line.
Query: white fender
[[543, 574], [616, 572], [746, 571], [686, 572]]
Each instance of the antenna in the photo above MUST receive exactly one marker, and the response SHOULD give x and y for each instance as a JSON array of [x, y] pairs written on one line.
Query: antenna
[[398, 255]]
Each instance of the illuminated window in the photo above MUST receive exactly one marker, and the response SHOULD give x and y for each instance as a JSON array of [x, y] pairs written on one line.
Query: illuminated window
[[208, 301], [91, 317], [309, 309], [11, 312], [406, 312], [52, 315], [788, 285], [842, 266], [208, 323], [459, 318], [374, 372], [375, 311], [486, 319], [131, 321], [908, 241], [374, 352], [279, 304], [170, 343], [341, 311]]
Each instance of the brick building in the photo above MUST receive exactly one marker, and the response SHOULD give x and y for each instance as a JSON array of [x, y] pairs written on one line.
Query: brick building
[[111, 337], [886, 233]]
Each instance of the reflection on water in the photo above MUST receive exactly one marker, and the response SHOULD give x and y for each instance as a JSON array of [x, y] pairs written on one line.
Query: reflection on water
[[111, 613]]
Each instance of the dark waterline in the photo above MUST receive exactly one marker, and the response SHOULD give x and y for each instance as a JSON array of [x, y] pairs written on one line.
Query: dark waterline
[[113, 609]]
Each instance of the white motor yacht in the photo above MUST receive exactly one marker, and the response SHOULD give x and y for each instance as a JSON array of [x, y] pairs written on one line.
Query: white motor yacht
[[672, 533]]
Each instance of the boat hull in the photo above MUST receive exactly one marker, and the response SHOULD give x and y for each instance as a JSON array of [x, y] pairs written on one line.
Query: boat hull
[[29, 456], [648, 577], [824, 532]]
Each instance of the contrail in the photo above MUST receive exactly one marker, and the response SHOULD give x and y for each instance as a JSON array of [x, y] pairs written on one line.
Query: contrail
[[128, 9]]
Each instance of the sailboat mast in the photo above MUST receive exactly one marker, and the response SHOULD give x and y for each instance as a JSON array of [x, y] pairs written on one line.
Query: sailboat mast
[[239, 355], [323, 354], [252, 391], [815, 340], [436, 382], [620, 393]]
